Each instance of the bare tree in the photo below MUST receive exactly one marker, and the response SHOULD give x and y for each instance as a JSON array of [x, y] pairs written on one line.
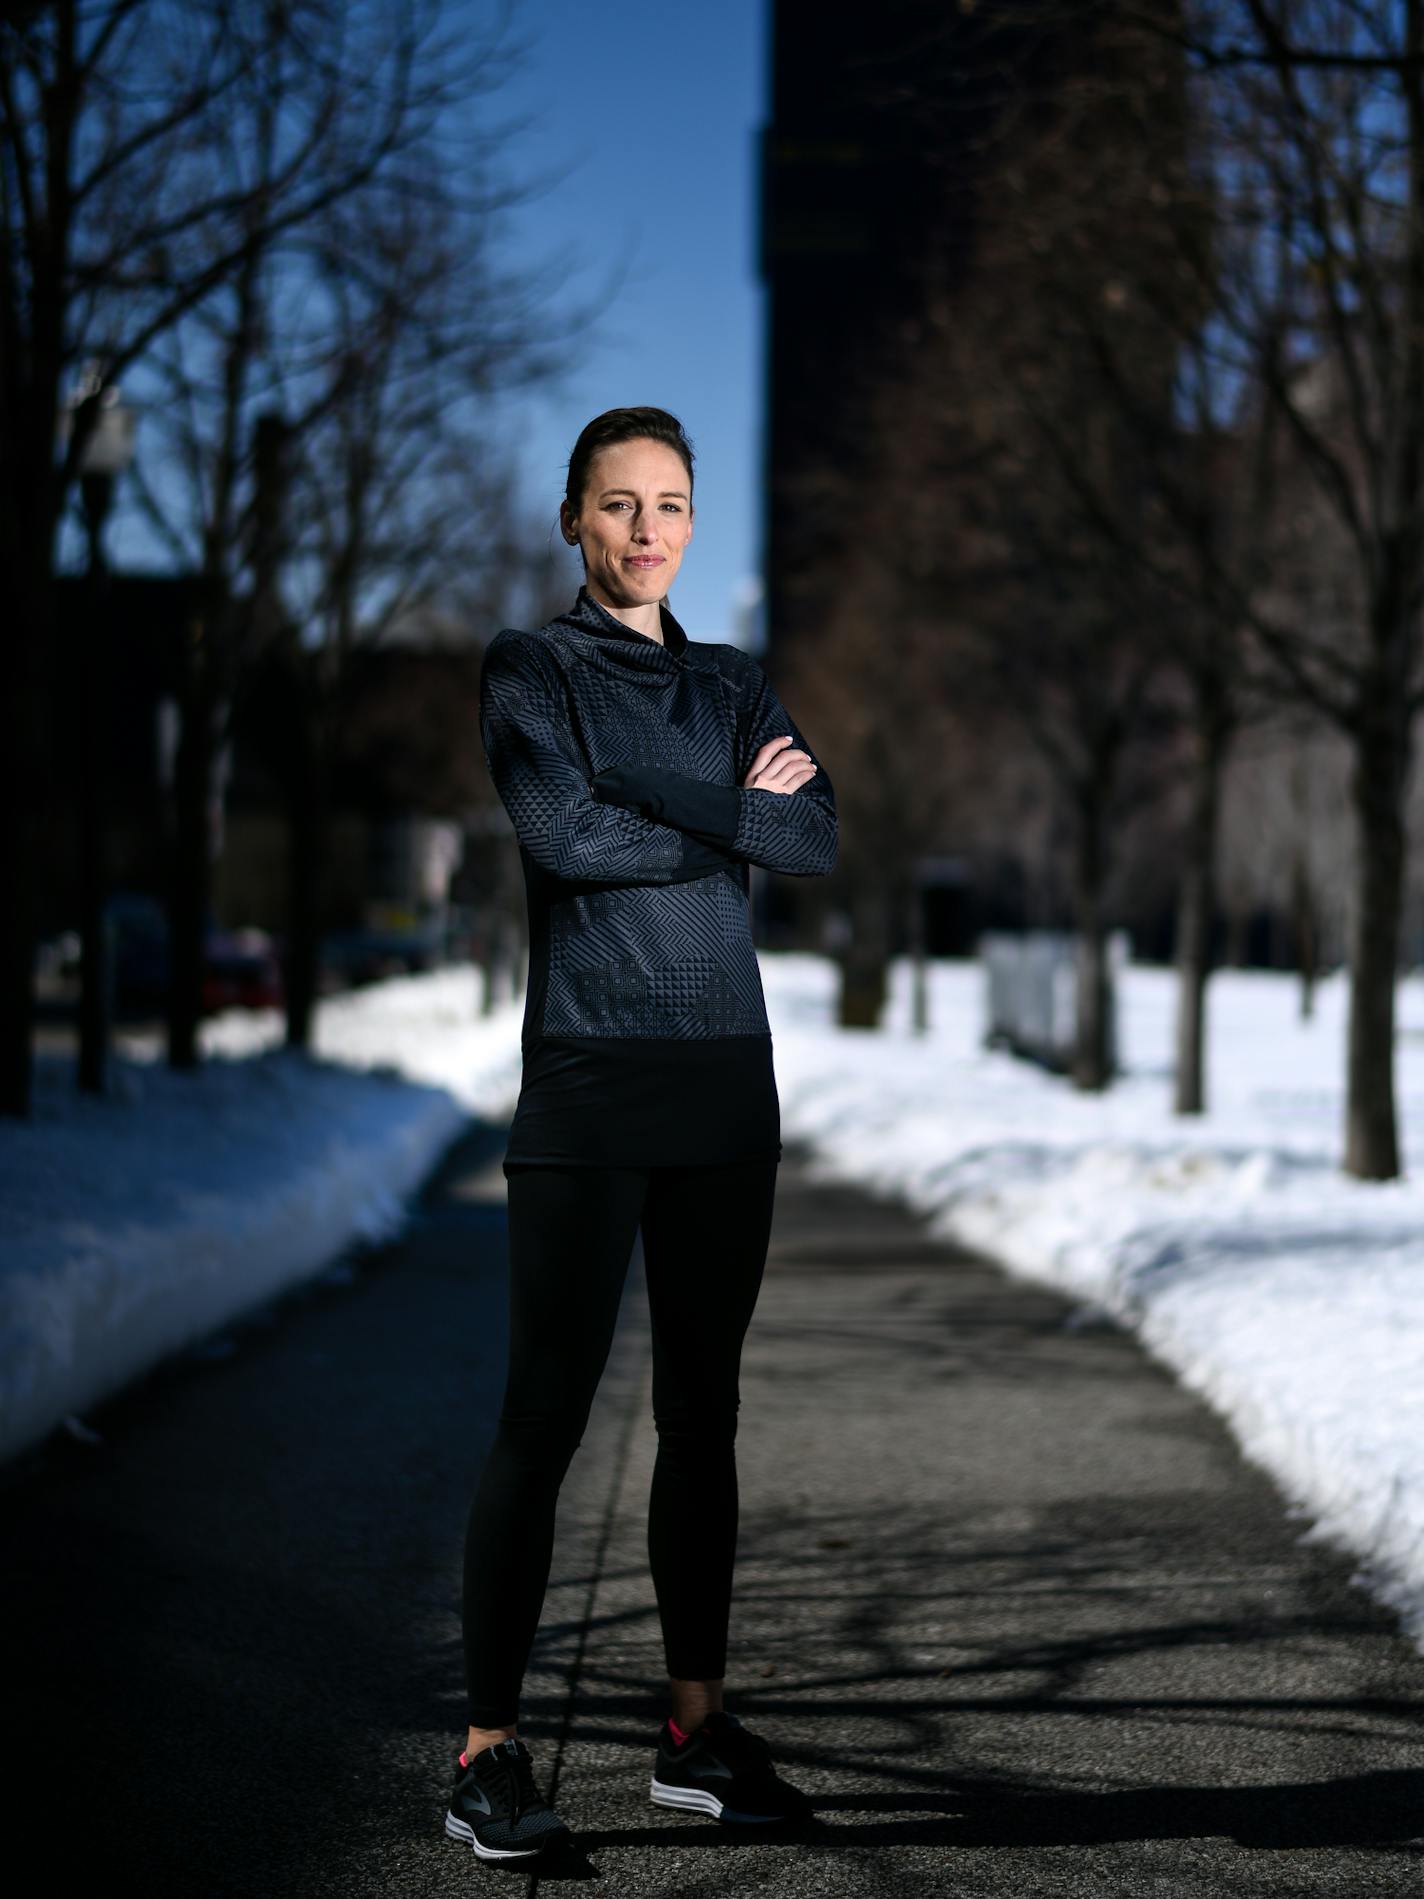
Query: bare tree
[[152, 153], [1314, 116], [1066, 644], [880, 693], [1206, 496], [1010, 427], [1287, 268], [1118, 283], [404, 502], [1288, 837]]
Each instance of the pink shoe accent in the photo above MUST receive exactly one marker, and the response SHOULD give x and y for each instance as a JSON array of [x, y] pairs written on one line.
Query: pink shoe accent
[[677, 1733], [463, 1761]]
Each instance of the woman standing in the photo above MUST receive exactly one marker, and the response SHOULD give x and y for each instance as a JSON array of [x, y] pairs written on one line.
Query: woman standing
[[643, 772]]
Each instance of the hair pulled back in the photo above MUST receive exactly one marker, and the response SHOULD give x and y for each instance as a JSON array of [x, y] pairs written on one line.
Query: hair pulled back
[[624, 425]]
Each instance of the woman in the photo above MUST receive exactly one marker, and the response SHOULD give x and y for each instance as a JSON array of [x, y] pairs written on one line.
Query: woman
[[643, 772]]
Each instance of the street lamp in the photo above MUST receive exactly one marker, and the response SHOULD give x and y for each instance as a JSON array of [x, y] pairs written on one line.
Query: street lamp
[[106, 453]]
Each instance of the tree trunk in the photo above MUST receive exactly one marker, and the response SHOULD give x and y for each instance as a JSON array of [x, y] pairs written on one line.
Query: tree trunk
[[1196, 906], [31, 501], [25, 803], [1091, 1067], [507, 928], [26, 788], [307, 812], [919, 960], [1371, 1133], [1307, 935], [93, 868], [190, 891], [863, 960], [95, 699], [486, 961], [1382, 729]]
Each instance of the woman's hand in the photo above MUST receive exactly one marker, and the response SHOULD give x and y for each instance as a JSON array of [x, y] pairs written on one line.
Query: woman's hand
[[775, 769]]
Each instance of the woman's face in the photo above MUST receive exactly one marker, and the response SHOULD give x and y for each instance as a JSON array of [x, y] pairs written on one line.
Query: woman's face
[[633, 522]]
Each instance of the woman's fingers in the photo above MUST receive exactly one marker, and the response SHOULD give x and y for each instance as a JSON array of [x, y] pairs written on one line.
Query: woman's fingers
[[772, 749], [786, 777], [784, 781], [779, 766]]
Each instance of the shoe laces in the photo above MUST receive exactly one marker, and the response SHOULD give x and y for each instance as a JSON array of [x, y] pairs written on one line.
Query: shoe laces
[[513, 1763]]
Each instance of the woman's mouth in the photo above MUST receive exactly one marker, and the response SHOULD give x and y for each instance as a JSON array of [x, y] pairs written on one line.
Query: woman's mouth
[[645, 560]]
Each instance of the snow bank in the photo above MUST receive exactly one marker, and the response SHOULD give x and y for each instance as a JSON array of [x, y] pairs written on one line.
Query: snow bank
[[1290, 1297], [133, 1225]]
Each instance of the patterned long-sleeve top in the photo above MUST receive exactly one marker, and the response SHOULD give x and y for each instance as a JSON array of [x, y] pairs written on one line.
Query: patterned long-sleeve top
[[619, 760]]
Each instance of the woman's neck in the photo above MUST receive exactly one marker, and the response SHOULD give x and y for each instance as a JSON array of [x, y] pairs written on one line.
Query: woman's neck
[[645, 617]]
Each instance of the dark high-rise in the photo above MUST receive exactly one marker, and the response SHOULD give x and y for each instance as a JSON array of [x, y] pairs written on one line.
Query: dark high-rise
[[851, 190], [885, 125]]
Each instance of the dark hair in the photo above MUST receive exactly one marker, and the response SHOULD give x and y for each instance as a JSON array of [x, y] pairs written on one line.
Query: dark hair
[[624, 425]]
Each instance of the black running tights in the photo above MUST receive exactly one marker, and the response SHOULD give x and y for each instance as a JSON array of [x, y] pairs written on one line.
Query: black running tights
[[571, 1234]]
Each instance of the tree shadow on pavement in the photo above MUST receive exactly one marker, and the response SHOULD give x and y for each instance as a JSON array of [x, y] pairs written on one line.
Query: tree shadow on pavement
[[1385, 1808]]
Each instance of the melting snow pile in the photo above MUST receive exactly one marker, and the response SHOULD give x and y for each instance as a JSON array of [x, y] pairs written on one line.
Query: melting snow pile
[[135, 1225]]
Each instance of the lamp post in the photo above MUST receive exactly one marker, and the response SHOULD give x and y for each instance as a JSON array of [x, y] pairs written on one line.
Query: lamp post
[[105, 455]]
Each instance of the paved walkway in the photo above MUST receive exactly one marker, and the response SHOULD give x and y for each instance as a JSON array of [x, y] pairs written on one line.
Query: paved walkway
[[1008, 1603]]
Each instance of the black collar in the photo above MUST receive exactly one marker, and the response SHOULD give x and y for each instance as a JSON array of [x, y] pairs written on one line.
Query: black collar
[[592, 617]]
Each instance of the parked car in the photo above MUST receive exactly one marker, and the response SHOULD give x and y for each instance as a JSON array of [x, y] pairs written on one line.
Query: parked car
[[240, 967], [241, 971]]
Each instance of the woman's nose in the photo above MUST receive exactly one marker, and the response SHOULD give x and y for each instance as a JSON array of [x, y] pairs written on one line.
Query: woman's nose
[[644, 527]]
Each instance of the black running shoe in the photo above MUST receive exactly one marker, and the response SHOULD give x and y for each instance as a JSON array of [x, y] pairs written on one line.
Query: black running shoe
[[497, 1809], [725, 1770]]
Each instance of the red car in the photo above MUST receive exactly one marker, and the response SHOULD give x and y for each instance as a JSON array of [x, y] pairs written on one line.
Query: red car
[[240, 971]]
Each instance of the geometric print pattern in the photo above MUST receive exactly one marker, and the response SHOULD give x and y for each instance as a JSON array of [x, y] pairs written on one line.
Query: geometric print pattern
[[677, 961], [637, 928]]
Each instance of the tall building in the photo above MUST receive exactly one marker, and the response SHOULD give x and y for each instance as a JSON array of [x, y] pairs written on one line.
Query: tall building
[[876, 166], [872, 112]]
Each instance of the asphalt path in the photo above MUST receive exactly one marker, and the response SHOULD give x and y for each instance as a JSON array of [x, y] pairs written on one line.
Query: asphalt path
[[1009, 1605]]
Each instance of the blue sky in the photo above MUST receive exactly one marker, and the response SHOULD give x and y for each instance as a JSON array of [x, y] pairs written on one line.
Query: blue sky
[[649, 124], [652, 119]]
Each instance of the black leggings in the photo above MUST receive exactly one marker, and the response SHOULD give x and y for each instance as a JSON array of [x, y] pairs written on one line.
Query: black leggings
[[571, 1234]]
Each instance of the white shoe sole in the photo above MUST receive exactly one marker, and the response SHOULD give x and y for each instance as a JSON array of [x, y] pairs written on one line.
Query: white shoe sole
[[462, 1830], [699, 1800]]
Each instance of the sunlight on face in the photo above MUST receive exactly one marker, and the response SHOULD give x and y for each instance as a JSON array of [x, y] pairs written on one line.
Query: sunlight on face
[[633, 523]]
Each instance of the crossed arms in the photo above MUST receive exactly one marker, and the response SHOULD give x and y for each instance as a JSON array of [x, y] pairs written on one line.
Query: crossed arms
[[641, 824]]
